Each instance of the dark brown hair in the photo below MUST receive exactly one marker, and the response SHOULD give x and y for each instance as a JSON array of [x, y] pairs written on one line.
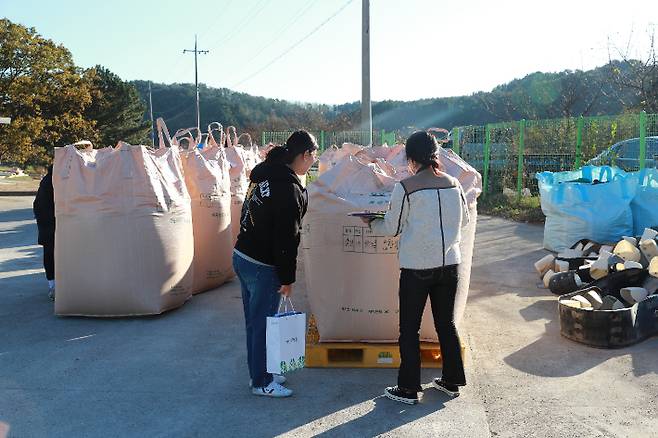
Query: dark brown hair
[[423, 148], [299, 142]]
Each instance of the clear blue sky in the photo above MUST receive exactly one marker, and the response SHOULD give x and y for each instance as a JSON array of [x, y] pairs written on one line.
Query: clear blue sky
[[420, 48]]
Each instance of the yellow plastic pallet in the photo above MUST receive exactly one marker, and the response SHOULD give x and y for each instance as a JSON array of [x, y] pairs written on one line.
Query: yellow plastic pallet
[[361, 354]]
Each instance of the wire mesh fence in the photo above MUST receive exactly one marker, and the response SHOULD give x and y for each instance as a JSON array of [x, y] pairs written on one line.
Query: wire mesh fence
[[510, 154], [328, 138]]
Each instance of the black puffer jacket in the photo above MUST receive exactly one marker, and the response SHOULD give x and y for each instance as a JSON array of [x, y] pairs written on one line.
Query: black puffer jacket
[[271, 219], [44, 209]]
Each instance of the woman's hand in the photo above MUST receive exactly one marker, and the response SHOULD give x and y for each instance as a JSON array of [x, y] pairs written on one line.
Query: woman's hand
[[367, 220], [285, 290]]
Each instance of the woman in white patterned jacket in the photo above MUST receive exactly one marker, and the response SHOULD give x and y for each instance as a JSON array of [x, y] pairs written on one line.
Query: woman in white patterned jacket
[[428, 211]]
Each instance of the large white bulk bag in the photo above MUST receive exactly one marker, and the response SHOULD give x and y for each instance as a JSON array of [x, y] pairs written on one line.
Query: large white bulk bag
[[124, 231], [250, 152], [353, 276], [209, 185], [239, 181]]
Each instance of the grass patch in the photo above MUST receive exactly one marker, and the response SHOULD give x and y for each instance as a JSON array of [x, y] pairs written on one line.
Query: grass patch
[[520, 210]]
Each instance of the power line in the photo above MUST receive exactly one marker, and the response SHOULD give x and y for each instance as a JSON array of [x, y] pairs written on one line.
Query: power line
[[177, 70], [258, 8], [281, 31], [291, 48], [224, 10]]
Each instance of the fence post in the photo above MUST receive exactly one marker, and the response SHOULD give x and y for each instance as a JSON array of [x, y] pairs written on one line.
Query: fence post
[[487, 153], [262, 143], [643, 138], [579, 142], [322, 146], [455, 140], [519, 170]]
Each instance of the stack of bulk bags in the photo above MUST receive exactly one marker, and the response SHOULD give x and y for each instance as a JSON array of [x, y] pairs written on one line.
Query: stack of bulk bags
[[208, 182], [353, 275], [589, 203], [124, 231], [239, 180]]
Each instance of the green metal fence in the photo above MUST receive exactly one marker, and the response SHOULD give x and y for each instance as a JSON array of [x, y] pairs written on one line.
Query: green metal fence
[[510, 154], [328, 138]]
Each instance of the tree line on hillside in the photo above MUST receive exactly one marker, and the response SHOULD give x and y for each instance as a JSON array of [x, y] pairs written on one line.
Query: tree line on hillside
[[53, 102], [602, 91]]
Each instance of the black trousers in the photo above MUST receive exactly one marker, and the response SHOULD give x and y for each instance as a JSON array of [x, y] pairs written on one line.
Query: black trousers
[[49, 260], [440, 284]]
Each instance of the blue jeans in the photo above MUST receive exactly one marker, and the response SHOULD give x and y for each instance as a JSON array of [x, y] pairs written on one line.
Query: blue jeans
[[260, 298]]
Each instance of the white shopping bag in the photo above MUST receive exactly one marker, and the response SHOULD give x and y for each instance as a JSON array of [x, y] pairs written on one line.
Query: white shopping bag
[[286, 341]]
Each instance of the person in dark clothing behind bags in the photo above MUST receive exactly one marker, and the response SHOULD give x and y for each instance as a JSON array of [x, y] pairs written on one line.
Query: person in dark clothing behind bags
[[44, 212], [265, 255], [427, 211]]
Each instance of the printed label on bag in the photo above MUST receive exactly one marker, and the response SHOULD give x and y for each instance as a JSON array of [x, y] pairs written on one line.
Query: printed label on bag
[[209, 200], [368, 311], [216, 273], [179, 290], [361, 240]]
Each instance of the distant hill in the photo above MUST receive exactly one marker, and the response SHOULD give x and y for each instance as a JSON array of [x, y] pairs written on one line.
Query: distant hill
[[536, 96]]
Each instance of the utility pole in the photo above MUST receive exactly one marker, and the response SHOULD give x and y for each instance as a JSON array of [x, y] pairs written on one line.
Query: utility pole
[[366, 105], [196, 79], [151, 112]]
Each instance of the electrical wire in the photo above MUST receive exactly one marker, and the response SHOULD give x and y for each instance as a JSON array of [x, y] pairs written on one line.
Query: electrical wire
[[281, 32], [291, 48], [258, 8]]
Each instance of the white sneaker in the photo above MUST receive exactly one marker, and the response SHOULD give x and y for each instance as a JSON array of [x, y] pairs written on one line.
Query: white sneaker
[[272, 390], [277, 378], [51, 293]]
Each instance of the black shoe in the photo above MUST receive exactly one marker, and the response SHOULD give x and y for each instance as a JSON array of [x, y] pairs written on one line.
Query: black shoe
[[397, 394], [451, 390]]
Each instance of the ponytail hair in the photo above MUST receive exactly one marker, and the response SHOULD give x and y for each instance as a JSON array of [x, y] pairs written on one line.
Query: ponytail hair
[[298, 143], [423, 148]]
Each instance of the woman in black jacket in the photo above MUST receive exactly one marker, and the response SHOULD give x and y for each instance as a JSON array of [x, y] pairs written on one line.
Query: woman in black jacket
[[265, 255], [44, 212]]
